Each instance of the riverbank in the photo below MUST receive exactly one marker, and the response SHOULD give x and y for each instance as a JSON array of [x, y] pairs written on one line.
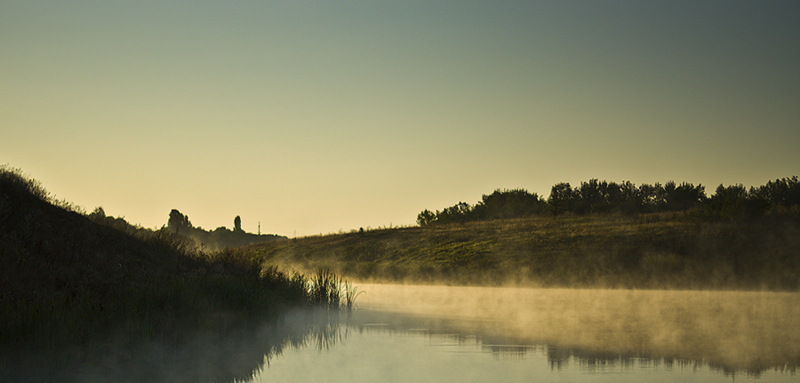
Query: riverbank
[[649, 251]]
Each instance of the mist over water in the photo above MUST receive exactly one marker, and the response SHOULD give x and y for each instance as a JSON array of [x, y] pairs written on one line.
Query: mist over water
[[749, 331], [445, 333]]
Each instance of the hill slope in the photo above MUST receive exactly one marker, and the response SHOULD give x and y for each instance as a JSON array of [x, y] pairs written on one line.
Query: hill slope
[[663, 250], [66, 278]]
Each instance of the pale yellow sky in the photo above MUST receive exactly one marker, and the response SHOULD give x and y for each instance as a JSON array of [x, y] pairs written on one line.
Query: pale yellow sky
[[312, 117]]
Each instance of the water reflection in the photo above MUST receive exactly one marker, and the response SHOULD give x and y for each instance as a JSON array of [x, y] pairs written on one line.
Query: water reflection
[[493, 337], [398, 347], [399, 328], [231, 355], [729, 331]]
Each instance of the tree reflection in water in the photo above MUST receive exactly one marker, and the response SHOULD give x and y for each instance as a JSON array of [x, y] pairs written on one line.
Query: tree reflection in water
[[244, 353]]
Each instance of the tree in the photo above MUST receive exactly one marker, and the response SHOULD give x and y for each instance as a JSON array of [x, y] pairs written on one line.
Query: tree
[[178, 221], [683, 197], [456, 213], [98, 214], [237, 224], [652, 197], [512, 203], [729, 202], [425, 218], [562, 198], [780, 193]]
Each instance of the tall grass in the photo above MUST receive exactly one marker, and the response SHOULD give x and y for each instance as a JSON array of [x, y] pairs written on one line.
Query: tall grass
[[326, 289]]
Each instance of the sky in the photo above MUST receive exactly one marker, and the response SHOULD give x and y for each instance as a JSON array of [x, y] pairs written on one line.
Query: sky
[[314, 117]]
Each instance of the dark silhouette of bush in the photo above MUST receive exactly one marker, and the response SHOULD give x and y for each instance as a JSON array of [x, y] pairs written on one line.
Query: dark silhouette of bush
[[683, 197], [458, 213], [178, 222], [425, 218], [515, 203], [237, 224], [562, 198], [781, 194]]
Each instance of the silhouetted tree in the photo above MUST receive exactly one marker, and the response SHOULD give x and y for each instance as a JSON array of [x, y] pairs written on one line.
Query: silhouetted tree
[[237, 224], [178, 221], [425, 218], [683, 197], [652, 197], [98, 214], [591, 197], [513, 203], [456, 213], [562, 198], [630, 200], [728, 202], [782, 193]]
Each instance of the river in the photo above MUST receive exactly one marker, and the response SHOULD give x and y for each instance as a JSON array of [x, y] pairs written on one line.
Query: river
[[404, 333], [407, 333]]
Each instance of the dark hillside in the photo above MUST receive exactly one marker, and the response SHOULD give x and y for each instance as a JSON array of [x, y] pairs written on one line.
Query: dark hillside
[[95, 295], [66, 279], [656, 250], [48, 250]]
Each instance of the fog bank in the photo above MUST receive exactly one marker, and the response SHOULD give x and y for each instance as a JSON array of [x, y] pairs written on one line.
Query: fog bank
[[737, 330]]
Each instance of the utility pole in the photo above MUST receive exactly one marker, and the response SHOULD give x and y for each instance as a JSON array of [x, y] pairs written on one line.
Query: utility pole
[[259, 227]]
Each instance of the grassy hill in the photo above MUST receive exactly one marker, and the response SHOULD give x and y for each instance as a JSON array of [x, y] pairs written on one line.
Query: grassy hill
[[657, 250]]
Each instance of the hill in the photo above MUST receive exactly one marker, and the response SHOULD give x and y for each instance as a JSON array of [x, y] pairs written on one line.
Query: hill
[[653, 251], [68, 278]]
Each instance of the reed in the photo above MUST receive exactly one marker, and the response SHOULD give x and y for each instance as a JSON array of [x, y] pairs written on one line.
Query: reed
[[328, 290]]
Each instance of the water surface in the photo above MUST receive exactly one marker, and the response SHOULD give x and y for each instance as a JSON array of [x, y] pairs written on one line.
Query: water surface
[[467, 334], [462, 334]]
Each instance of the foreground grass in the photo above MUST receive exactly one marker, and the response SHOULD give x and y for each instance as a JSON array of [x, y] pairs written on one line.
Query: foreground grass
[[661, 250]]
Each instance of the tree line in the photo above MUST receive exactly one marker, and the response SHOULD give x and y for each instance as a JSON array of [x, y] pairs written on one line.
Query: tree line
[[217, 239], [594, 196]]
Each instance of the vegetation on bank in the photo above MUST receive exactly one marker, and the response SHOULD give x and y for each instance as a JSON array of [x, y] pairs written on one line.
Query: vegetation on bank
[[674, 250], [68, 278]]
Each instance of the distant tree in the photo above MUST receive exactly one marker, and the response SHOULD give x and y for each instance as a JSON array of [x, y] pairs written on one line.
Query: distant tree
[[237, 224], [513, 203], [178, 221], [591, 196], [651, 197], [782, 193], [562, 198], [630, 198], [614, 198], [98, 213], [683, 197], [456, 213], [728, 202], [425, 218]]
